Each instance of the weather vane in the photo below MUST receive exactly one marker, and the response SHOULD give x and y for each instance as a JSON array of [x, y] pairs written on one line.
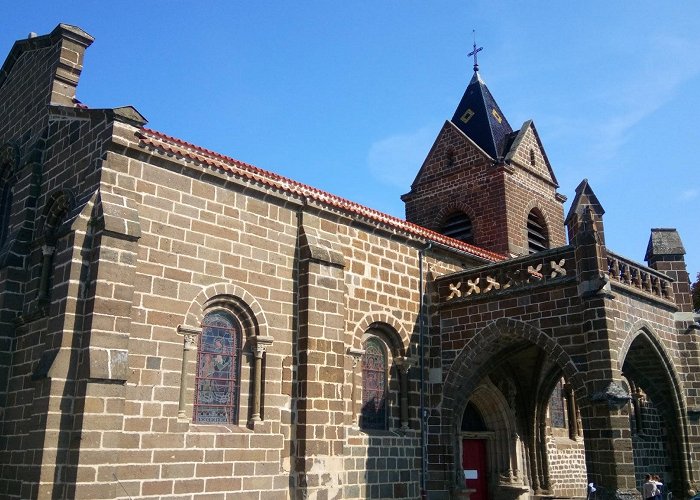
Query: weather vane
[[474, 52]]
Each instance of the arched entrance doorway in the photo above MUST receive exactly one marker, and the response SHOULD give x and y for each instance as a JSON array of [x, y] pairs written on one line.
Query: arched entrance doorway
[[657, 414], [499, 390], [492, 451]]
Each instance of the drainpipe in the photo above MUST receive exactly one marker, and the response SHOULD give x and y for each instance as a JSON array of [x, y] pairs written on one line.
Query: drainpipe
[[421, 353]]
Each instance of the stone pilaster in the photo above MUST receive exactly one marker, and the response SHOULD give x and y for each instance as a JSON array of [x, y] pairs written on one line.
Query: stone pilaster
[[320, 431], [609, 457], [109, 303]]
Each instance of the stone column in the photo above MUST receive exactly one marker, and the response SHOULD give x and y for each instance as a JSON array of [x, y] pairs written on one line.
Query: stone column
[[571, 411], [189, 349], [260, 346], [356, 389], [404, 364], [47, 252]]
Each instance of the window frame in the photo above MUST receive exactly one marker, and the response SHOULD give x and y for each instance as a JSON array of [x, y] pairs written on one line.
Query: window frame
[[458, 222], [234, 373], [541, 232], [9, 160], [383, 423]]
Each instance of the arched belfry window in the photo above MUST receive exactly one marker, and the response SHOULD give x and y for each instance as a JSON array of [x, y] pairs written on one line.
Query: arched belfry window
[[374, 385], [218, 369], [459, 226], [537, 239]]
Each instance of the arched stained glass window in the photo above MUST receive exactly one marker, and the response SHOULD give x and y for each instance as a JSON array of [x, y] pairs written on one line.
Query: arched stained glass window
[[374, 385], [217, 380]]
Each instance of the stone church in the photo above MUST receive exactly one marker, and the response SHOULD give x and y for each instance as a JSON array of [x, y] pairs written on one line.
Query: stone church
[[175, 323]]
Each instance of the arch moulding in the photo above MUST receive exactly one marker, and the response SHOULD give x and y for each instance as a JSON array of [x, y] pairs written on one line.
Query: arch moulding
[[237, 295]]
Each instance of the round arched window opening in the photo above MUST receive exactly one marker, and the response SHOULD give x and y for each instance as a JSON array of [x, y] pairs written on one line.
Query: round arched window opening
[[218, 371], [537, 239], [374, 385], [459, 226]]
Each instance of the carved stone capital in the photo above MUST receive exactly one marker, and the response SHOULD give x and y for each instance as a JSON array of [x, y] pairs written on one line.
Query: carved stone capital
[[356, 355], [47, 250], [191, 341], [190, 336], [260, 344], [404, 363]]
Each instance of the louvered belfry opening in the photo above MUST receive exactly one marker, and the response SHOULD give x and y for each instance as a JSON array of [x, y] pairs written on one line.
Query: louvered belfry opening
[[459, 226], [536, 233]]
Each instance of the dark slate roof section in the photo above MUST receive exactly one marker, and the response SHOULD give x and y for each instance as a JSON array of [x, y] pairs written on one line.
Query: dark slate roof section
[[480, 118], [664, 241]]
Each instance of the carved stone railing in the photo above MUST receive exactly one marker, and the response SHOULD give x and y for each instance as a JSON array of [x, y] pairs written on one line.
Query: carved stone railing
[[637, 276], [544, 268]]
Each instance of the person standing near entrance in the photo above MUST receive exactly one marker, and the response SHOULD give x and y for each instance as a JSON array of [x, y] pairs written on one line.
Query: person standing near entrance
[[659, 486], [649, 488]]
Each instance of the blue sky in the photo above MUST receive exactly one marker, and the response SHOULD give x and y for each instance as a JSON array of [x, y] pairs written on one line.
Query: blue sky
[[348, 96]]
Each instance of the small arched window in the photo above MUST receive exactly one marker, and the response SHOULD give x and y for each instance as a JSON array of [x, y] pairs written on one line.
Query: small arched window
[[8, 161], [374, 385], [557, 412], [218, 369], [5, 210], [537, 239], [459, 226]]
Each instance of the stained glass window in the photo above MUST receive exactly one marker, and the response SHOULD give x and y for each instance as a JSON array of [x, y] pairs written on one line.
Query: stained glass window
[[374, 385], [556, 406], [217, 384]]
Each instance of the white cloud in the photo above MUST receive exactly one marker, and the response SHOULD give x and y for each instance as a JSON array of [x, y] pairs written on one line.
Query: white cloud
[[670, 62], [395, 160], [689, 194]]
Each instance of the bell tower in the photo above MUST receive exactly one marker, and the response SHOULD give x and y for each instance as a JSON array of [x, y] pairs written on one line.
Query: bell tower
[[486, 184]]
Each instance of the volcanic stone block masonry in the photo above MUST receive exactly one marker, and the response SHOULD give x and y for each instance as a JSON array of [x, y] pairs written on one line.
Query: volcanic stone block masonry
[[175, 323]]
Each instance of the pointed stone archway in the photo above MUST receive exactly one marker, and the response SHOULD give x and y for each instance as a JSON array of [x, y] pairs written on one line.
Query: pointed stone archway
[[507, 368], [658, 423], [504, 449]]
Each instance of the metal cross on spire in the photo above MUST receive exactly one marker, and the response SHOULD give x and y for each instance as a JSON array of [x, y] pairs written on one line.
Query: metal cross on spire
[[475, 52]]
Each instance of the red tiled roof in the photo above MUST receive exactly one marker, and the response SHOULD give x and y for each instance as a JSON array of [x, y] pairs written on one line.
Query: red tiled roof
[[178, 147]]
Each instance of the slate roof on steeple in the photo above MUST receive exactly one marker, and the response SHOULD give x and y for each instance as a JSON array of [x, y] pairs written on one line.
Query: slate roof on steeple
[[480, 118]]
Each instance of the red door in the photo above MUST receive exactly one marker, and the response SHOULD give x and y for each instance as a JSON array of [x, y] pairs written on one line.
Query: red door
[[474, 465]]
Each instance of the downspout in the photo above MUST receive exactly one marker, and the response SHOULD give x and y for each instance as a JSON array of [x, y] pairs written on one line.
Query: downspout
[[421, 350]]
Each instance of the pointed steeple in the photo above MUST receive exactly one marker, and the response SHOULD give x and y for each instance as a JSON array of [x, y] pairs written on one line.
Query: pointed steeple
[[480, 118]]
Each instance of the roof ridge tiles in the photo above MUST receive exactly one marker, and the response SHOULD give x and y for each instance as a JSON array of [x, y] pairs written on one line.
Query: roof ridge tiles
[[171, 144]]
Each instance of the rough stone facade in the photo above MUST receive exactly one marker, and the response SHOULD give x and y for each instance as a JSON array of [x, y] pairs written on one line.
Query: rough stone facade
[[121, 243]]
